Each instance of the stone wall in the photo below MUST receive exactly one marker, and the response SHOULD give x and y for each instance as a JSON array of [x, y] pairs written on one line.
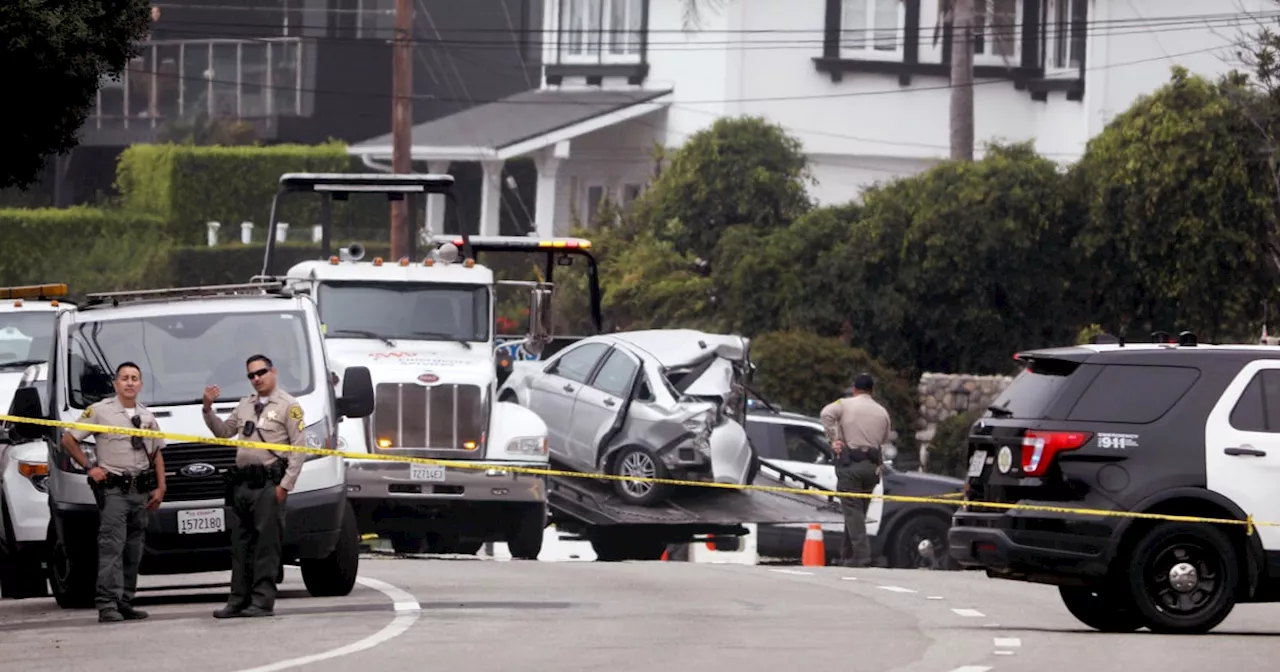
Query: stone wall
[[944, 395]]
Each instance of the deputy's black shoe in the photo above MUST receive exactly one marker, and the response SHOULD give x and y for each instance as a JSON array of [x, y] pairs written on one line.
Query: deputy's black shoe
[[110, 616], [254, 611], [131, 614], [228, 612]]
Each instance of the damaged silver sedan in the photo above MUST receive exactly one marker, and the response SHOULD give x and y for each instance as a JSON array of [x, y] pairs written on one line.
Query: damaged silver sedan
[[662, 403]]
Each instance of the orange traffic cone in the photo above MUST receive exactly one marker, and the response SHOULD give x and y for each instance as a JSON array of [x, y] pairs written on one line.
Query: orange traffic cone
[[815, 548], [665, 556]]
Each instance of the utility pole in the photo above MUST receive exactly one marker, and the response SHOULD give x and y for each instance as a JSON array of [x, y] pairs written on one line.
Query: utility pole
[[962, 21], [401, 121]]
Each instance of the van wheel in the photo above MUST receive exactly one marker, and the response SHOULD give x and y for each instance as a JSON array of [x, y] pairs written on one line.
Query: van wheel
[[1182, 577], [524, 536], [1108, 611], [639, 462], [72, 575], [335, 575]]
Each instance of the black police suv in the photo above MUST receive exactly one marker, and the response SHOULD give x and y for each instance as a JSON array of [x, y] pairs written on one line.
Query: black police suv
[[1174, 428]]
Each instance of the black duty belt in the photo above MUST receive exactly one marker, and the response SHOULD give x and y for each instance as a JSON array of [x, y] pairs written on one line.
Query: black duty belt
[[257, 475], [142, 482]]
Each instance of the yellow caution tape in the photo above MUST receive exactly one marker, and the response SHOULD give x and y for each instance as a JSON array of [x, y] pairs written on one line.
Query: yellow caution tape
[[947, 499]]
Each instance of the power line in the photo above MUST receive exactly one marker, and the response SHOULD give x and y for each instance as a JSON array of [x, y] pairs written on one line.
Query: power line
[[1129, 27]]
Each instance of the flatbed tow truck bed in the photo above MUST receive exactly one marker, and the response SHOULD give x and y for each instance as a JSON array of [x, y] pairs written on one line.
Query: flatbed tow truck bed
[[618, 531]]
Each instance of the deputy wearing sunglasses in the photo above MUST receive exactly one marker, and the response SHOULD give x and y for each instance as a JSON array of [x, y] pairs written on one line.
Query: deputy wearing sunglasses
[[258, 486], [127, 481]]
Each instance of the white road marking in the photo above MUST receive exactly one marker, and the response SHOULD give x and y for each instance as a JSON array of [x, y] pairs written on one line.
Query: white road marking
[[896, 589], [968, 613], [934, 597], [407, 611], [848, 578], [972, 668], [1008, 642], [1003, 652], [792, 571]]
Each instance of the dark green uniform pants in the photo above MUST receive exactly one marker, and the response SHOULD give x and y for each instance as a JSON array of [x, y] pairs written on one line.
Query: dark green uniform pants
[[857, 477], [122, 526], [257, 533]]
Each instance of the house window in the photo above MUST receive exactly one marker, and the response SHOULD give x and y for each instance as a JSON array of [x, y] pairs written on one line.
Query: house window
[[871, 29], [601, 31], [595, 196], [1064, 34], [630, 192], [996, 31]]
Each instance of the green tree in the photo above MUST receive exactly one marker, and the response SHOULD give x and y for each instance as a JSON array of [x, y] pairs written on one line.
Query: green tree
[[56, 55], [1178, 215], [739, 171]]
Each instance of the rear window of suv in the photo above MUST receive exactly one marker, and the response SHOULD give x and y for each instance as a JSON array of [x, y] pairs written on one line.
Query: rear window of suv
[[1033, 391], [1121, 393]]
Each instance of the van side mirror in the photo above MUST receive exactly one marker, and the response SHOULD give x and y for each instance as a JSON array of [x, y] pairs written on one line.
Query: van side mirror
[[26, 404], [357, 393], [540, 318]]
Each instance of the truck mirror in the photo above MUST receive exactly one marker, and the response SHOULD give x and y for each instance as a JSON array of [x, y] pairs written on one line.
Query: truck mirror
[[540, 315], [26, 404], [357, 393]]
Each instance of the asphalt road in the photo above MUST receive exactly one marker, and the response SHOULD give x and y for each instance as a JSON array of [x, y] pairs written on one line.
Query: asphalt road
[[479, 614]]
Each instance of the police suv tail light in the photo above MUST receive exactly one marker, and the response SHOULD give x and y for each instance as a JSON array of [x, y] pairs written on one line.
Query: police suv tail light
[[1039, 448]]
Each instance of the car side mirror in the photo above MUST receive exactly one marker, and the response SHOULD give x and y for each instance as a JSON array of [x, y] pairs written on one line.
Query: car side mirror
[[26, 404], [357, 393]]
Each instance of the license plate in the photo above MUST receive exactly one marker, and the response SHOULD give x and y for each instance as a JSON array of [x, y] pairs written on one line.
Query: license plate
[[426, 472], [200, 521], [976, 463]]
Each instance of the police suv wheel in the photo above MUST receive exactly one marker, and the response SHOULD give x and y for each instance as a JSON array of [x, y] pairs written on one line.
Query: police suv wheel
[[1183, 576], [639, 462], [1106, 611], [72, 575], [22, 572]]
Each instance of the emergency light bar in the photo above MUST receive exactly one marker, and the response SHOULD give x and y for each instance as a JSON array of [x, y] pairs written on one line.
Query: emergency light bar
[[34, 291], [251, 288], [516, 243]]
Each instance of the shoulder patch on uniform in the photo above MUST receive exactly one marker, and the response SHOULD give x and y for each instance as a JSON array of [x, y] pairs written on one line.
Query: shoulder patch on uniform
[[300, 426], [295, 412], [88, 413]]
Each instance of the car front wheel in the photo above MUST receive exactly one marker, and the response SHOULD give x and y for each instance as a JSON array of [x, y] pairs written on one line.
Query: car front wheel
[[1107, 611]]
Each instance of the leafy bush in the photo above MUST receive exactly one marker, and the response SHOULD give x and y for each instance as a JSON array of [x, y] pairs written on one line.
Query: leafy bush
[[949, 450], [190, 185], [802, 371], [90, 249]]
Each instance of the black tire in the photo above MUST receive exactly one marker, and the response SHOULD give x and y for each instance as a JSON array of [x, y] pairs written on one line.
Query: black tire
[[22, 573], [335, 575], [405, 543], [1106, 611], [72, 574], [1203, 596], [524, 536], [616, 546], [450, 543], [638, 461], [904, 552]]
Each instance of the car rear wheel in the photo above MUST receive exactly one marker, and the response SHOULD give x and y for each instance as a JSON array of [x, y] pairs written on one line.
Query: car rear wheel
[[921, 543], [1107, 611], [635, 461], [1182, 577]]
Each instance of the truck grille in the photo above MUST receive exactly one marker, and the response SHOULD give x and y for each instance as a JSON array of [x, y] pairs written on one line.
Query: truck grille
[[196, 484], [428, 421]]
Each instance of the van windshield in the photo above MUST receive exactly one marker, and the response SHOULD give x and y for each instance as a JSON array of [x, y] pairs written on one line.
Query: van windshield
[[403, 310], [181, 354], [25, 338]]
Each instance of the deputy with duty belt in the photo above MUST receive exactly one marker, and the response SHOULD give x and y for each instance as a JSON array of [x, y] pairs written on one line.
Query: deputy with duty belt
[[127, 481], [258, 485], [857, 426]]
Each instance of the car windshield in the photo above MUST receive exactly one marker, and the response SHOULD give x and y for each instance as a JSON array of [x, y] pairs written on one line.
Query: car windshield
[[402, 310], [181, 354], [25, 338]]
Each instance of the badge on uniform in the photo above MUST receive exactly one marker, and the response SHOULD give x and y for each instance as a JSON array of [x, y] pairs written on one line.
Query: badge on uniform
[[271, 414]]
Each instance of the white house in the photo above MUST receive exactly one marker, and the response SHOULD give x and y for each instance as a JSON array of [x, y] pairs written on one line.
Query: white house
[[863, 83]]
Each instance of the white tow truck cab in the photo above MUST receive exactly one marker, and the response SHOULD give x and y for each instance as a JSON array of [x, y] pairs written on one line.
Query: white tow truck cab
[[425, 328], [185, 339]]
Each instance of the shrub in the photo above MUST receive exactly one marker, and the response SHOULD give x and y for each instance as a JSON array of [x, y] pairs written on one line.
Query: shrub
[[949, 450]]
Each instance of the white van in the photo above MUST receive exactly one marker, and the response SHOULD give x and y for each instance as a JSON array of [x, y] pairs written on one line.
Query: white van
[[185, 339]]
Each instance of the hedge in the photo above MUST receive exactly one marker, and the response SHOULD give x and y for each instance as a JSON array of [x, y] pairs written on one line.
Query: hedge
[[90, 249], [237, 263], [191, 185]]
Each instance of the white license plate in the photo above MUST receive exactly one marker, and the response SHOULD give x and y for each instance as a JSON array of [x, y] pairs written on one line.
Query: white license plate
[[426, 472], [200, 521], [976, 463]]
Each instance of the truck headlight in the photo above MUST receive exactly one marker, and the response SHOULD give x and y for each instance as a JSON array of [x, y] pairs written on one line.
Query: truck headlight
[[316, 436], [528, 445]]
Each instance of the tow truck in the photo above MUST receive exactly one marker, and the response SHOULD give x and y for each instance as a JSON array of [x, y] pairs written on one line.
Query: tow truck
[[437, 363]]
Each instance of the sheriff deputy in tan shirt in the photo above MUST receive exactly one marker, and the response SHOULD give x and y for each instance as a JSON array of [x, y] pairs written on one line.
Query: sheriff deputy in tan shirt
[[857, 426], [259, 485]]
